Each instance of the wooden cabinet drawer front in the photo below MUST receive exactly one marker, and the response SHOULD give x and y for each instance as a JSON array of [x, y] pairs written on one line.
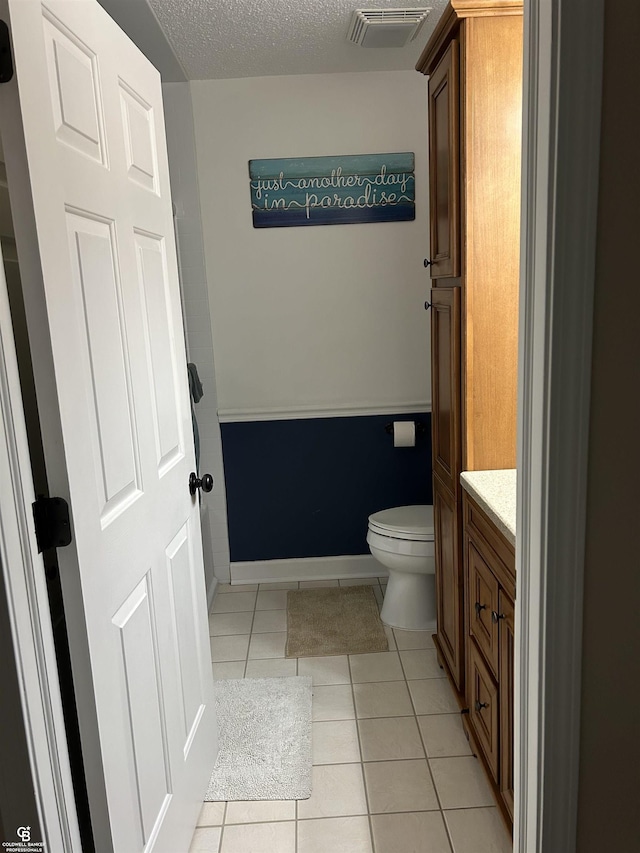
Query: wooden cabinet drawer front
[[480, 527], [483, 606], [484, 708]]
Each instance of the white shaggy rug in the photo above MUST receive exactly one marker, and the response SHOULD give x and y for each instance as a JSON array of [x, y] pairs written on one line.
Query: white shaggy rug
[[265, 739]]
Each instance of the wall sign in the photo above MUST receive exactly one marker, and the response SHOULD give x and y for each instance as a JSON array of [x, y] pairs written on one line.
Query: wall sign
[[332, 190]]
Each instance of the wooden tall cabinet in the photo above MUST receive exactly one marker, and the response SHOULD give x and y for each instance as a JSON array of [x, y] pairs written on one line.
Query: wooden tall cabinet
[[474, 65]]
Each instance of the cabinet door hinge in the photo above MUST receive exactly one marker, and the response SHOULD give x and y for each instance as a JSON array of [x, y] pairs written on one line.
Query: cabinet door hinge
[[53, 525], [6, 59]]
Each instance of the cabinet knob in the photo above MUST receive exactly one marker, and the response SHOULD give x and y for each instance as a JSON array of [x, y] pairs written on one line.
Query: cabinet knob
[[427, 305], [495, 616], [481, 705], [480, 607], [427, 262]]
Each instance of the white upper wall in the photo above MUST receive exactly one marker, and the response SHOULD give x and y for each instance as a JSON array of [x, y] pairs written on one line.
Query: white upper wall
[[319, 319]]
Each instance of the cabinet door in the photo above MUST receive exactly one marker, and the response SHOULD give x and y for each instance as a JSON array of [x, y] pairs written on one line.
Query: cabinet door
[[446, 386], [507, 646], [444, 165], [449, 589], [484, 708], [482, 605]]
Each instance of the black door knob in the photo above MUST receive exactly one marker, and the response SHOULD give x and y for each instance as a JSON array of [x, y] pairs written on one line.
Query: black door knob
[[205, 483], [427, 262]]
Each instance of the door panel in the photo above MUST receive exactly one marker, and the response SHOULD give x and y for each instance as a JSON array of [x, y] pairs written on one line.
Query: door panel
[[135, 621], [444, 165], [446, 385], [75, 91], [160, 348], [82, 127], [94, 262], [182, 568], [449, 588], [139, 134]]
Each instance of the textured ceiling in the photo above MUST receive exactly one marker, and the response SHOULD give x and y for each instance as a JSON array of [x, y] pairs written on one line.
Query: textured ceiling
[[215, 39]]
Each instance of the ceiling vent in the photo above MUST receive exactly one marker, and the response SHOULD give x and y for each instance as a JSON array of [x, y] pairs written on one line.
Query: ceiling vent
[[386, 27]]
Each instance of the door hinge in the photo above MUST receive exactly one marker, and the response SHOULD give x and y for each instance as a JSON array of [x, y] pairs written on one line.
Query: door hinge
[[53, 525], [6, 59]]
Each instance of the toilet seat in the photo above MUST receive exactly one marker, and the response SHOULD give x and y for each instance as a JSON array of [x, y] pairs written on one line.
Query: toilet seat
[[408, 523], [395, 545]]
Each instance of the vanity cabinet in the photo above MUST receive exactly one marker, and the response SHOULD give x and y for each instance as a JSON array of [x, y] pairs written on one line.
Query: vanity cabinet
[[489, 590], [474, 94]]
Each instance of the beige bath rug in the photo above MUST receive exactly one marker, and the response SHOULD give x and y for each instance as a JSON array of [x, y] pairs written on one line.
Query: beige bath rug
[[333, 621]]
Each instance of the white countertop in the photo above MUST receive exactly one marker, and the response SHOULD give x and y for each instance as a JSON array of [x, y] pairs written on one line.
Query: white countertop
[[495, 493]]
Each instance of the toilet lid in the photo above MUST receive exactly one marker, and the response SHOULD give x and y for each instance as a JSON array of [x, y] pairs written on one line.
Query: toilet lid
[[404, 522]]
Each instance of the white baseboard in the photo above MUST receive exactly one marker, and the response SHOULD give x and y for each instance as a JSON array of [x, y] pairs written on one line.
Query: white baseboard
[[307, 569]]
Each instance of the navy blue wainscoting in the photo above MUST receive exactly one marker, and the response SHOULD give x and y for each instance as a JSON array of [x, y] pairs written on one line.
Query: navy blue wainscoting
[[304, 488]]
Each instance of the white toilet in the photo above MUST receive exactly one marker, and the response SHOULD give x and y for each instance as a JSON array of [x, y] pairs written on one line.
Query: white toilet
[[402, 540]]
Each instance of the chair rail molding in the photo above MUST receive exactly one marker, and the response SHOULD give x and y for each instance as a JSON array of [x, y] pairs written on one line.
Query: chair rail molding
[[561, 139], [330, 410]]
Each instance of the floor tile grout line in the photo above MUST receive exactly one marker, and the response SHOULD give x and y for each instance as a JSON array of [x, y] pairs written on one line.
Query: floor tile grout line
[[433, 780], [426, 755], [364, 780], [224, 820], [337, 816], [253, 619]]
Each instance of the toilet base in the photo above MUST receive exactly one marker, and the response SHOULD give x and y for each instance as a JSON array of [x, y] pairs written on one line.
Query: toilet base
[[410, 602]]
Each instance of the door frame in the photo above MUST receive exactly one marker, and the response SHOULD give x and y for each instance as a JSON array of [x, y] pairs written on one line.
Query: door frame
[[563, 48], [559, 214], [23, 577]]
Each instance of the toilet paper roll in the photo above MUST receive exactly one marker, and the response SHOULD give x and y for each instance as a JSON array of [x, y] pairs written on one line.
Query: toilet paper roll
[[404, 433]]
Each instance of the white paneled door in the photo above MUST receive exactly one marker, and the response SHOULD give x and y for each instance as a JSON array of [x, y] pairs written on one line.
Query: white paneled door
[[83, 133]]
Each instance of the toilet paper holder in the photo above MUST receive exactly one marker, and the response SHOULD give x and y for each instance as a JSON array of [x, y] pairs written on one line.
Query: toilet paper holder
[[420, 428]]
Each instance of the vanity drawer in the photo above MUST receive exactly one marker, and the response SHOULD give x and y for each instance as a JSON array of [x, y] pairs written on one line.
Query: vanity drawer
[[484, 710], [489, 538], [483, 604]]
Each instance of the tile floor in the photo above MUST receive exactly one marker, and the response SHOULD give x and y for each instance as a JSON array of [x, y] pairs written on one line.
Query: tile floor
[[393, 772]]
